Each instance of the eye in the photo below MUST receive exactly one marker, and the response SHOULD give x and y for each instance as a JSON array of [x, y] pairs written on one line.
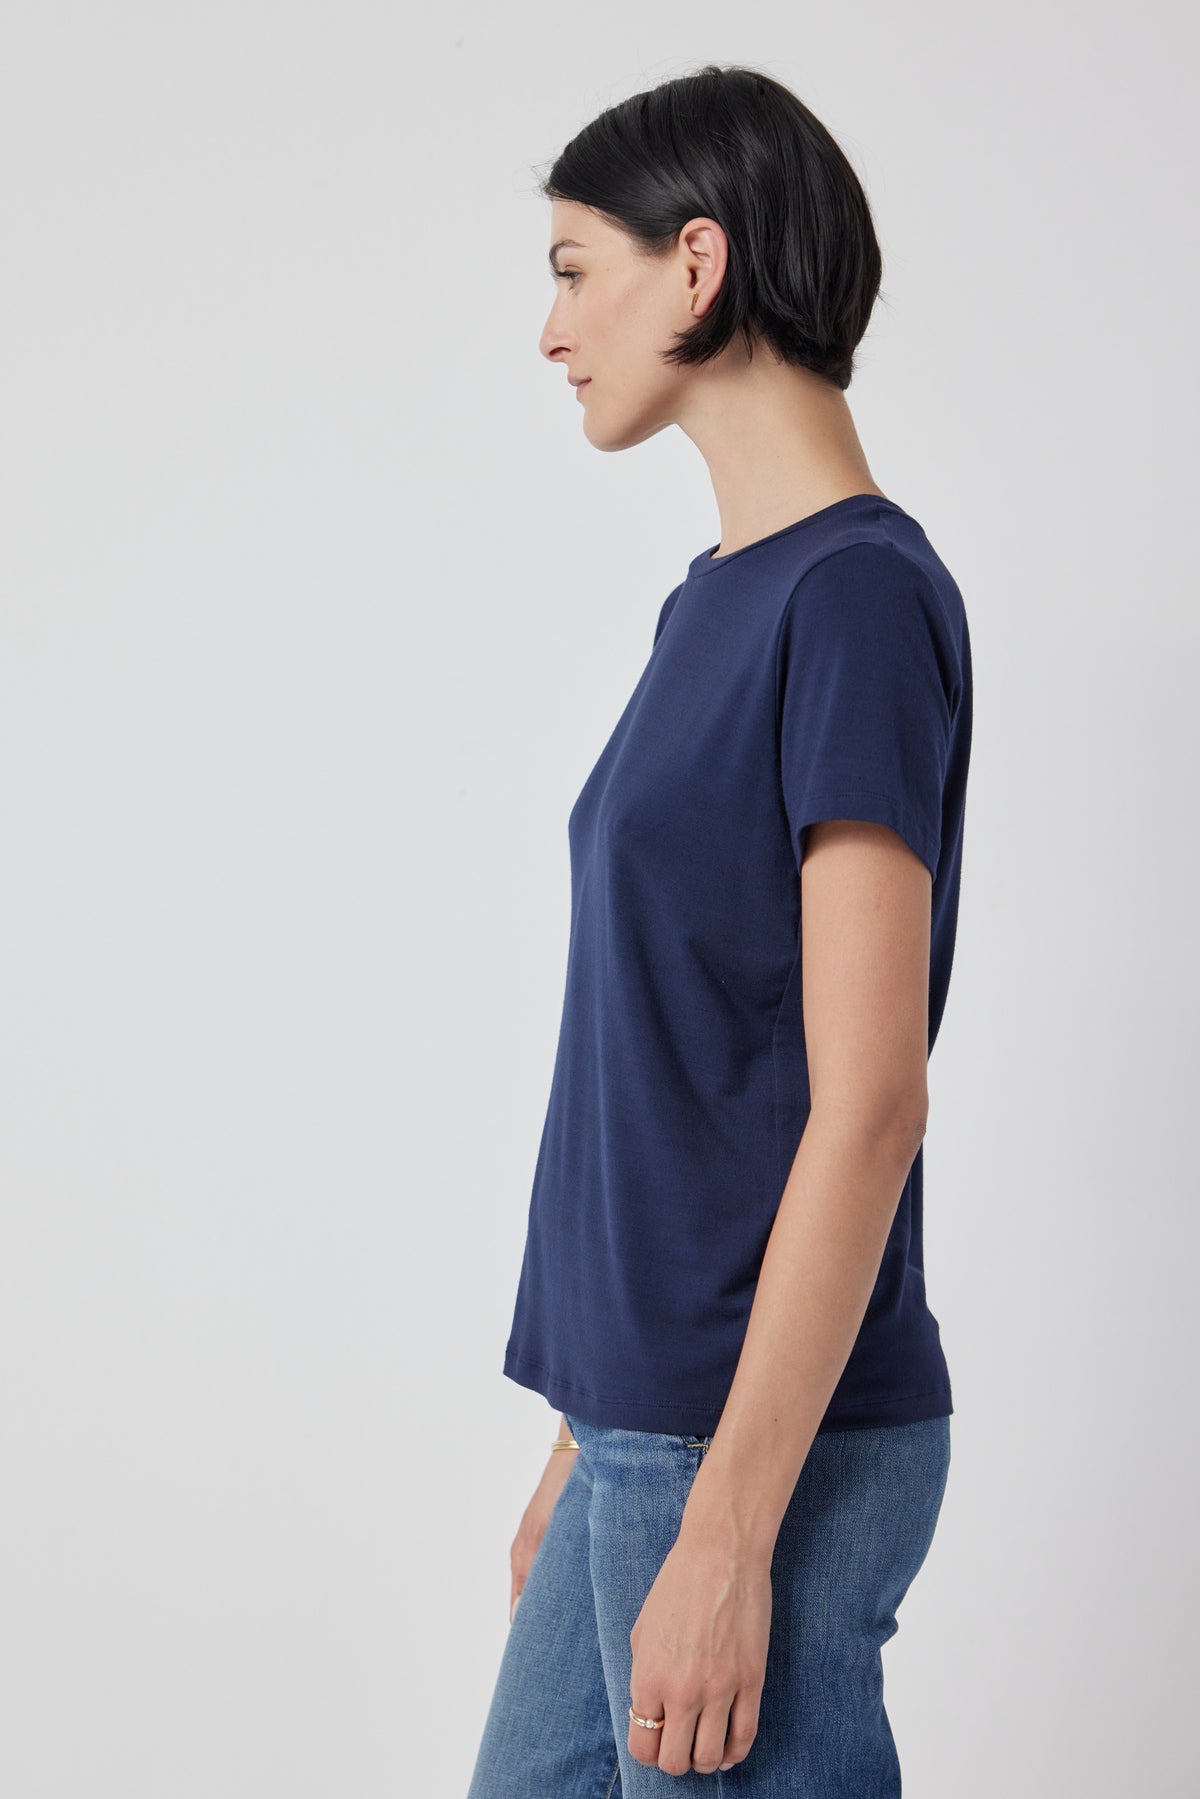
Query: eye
[[566, 274]]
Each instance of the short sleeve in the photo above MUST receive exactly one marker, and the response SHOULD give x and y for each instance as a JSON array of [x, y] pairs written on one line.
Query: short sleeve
[[867, 684]]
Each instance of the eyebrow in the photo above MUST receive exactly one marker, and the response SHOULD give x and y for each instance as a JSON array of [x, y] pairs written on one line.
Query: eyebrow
[[564, 243]]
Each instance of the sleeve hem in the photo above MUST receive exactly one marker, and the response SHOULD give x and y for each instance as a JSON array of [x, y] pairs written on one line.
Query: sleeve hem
[[871, 808]]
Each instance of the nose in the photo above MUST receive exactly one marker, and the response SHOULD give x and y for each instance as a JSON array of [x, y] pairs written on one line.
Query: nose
[[555, 343]]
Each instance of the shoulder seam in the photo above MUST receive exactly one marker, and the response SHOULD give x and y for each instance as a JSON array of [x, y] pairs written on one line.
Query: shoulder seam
[[859, 543], [785, 610], [889, 547]]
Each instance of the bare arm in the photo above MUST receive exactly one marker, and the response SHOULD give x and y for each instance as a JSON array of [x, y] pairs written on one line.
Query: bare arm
[[866, 906]]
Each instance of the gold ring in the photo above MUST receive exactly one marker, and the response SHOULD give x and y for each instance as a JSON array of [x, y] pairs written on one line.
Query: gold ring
[[647, 1723]]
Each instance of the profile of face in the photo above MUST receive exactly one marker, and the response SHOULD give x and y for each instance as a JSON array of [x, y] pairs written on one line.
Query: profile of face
[[614, 313]]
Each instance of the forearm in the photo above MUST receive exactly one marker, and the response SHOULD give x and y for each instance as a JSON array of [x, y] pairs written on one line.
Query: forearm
[[818, 1272]]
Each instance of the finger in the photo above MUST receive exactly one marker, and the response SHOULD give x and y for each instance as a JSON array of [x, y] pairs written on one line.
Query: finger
[[677, 1736], [743, 1724], [708, 1747], [643, 1743], [520, 1574]]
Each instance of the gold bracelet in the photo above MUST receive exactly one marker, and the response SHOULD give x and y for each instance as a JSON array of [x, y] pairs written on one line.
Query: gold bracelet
[[564, 1443]]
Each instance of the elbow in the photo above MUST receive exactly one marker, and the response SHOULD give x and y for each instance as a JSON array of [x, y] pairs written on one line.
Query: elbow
[[892, 1123], [902, 1123], [919, 1135], [911, 1120]]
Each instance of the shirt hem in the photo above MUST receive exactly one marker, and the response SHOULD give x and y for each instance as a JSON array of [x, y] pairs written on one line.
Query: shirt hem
[[701, 1417]]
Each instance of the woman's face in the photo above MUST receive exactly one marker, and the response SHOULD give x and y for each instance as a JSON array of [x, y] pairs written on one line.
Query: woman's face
[[614, 313]]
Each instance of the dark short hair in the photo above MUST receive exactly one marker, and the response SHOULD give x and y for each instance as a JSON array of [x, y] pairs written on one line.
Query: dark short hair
[[735, 145]]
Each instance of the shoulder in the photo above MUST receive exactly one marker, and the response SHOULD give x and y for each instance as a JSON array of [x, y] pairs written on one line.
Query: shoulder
[[869, 571], [870, 595]]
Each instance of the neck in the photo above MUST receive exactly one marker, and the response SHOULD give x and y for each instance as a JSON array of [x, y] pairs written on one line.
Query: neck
[[779, 443]]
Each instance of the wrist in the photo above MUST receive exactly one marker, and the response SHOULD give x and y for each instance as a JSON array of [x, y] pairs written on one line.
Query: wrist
[[720, 1518]]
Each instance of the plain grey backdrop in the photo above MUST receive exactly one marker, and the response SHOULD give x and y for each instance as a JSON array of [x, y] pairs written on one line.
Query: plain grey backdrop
[[317, 609]]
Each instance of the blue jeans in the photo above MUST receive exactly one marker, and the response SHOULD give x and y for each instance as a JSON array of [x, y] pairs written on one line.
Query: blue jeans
[[857, 1529]]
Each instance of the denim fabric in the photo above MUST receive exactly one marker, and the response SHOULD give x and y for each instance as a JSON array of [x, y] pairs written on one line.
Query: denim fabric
[[856, 1531]]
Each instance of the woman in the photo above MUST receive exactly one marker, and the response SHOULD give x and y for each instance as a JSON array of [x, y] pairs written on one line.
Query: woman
[[722, 1288]]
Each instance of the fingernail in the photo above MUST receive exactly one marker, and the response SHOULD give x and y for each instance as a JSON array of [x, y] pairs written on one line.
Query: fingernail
[[725, 1765]]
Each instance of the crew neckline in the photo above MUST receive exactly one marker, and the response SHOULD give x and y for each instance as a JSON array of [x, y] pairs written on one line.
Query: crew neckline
[[706, 564]]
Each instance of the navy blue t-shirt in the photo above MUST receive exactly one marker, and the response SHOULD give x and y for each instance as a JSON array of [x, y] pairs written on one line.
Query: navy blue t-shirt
[[821, 672]]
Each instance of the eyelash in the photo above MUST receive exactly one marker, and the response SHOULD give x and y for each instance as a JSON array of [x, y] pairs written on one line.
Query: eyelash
[[566, 274]]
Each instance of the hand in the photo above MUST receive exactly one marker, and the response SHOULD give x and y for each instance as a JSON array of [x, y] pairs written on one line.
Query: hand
[[700, 1658], [536, 1517]]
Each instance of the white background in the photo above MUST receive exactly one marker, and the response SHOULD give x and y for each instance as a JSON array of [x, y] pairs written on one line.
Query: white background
[[317, 609]]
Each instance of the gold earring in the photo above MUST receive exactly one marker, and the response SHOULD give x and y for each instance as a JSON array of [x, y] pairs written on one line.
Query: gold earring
[[695, 296]]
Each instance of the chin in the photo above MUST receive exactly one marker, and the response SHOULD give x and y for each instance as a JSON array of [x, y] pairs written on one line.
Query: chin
[[622, 437]]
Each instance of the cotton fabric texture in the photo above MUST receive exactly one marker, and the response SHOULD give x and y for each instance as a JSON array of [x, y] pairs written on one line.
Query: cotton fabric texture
[[821, 672]]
